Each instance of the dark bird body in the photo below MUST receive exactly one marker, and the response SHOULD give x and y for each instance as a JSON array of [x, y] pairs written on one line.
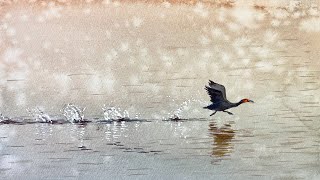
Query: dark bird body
[[217, 93]]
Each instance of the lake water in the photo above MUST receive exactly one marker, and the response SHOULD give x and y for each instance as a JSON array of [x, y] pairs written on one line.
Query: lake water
[[150, 67], [187, 149]]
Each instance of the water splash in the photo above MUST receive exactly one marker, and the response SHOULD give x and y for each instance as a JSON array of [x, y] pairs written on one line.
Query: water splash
[[1, 117], [188, 108], [115, 114], [39, 115], [73, 113]]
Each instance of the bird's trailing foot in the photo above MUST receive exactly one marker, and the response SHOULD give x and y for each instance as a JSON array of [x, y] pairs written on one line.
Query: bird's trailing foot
[[213, 113], [228, 112]]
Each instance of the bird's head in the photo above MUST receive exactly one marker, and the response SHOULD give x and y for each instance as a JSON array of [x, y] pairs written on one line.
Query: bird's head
[[246, 100]]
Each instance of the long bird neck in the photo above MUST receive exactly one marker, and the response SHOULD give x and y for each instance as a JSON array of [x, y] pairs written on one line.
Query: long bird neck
[[236, 104]]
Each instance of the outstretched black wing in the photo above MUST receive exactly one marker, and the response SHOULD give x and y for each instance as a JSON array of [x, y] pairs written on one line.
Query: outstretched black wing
[[216, 92], [218, 87]]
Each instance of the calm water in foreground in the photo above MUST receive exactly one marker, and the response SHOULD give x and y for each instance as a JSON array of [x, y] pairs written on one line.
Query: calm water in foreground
[[190, 149]]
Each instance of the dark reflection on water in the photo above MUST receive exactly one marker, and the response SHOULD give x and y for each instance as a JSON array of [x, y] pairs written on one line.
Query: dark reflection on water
[[222, 140]]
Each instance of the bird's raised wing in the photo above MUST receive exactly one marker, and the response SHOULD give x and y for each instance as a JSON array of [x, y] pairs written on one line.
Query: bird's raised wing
[[218, 87], [215, 95]]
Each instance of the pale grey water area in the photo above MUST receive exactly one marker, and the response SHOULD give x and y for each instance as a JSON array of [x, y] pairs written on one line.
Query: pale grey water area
[[190, 149], [154, 66]]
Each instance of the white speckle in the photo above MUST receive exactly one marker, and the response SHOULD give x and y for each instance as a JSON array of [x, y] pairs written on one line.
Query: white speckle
[[296, 15], [20, 99], [137, 22], [259, 16], [8, 16], [280, 14], [106, 2], [162, 15], [108, 34], [201, 10], [112, 55], [87, 11], [240, 52], [241, 42], [124, 47], [139, 42], [281, 44], [245, 16], [46, 45], [222, 15], [1, 103], [11, 32], [247, 73], [287, 23], [166, 4], [144, 67], [182, 52], [87, 38], [116, 3], [89, 1], [12, 55], [204, 40], [109, 84], [62, 82], [270, 36], [234, 27], [275, 23], [207, 54], [40, 19], [310, 25], [143, 52], [261, 52], [313, 11], [18, 73], [153, 88], [57, 50], [51, 12], [216, 32], [6, 161], [280, 70], [127, 24], [166, 57], [249, 85], [225, 58], [27, 38], [294, 5], [264, 66], [94, 84], [134, 80]]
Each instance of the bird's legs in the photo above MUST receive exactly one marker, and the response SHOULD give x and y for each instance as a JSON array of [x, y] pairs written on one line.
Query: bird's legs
[[213, 113], [228, 112]]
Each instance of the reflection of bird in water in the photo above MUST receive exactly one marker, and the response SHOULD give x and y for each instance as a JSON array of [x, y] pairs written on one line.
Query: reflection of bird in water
[[222, 137], [217, 93]]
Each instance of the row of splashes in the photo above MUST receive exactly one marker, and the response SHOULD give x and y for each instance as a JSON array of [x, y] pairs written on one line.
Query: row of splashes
[[75, 114], [72, 114]]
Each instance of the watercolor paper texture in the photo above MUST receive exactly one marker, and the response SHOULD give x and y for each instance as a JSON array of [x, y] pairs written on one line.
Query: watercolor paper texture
[[107, 89]]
